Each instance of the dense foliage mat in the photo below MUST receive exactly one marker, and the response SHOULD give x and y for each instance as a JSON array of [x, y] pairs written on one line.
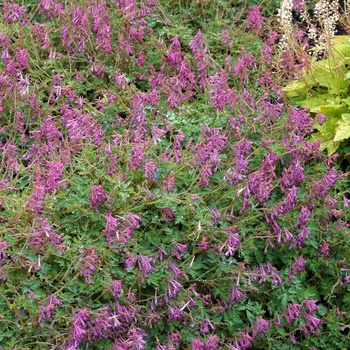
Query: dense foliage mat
[[157, 190]]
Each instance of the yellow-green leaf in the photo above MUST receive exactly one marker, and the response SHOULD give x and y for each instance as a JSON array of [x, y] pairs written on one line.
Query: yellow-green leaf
[[295, 88], [324, 101], [343, 128]]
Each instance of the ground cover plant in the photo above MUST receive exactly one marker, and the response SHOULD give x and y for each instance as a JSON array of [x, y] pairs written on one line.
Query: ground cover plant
[[157, 188]]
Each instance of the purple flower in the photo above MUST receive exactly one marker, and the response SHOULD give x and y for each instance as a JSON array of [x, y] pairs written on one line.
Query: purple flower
[[312, 321], [176, 271], [100, 325], [260, 326], [267, 53], [175, 95], [121, 80], [286, 235], [255, 20], [47, 311], [197, 42], [310, 305], [47, 130], [292, 175], [54, 175], [3, 275], [198, 345], [125, 314], [226, 39], [304, 214], [44, 235], [174, 56], [262, 272], [144, 266], [111, 230], [120, 344], [278, 321], [22, 58], [324, 249], [136, 338], [132, 220], [321, 118], [131, 223], [97, 69], [13, 12], [245, 62], [235, 296], [116, 288], [297, 266], [179, 249], [216, 214], [175, 337], [89, 261], [3, 255], [186, 78], [78, 329], [292, 339], [205, 325], [51, 8], [260, 185], [212, 342], [151, 170], [137, 157], [9, 153], [331, 203], [203, 244], [244, 341], [218, 89], [174, 287], [167, 215], [298, 5], [205, 175], [199, 49], [161, 253], [202, 67], [346, 278], [320, 189], [292, 312], [102, 26], [129, 261], [231, 244], [174, 313], [301, 238], [300, 121], [37, 197], [290, 201], [97, 197]]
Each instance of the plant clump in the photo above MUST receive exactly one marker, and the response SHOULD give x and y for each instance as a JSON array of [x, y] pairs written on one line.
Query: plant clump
[[157, 189]]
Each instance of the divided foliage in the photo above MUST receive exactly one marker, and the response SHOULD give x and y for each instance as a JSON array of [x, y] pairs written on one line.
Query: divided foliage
[[155, 190]]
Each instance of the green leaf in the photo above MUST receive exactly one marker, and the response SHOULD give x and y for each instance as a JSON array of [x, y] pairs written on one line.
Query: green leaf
[[333, 110], [346, 100], [6, 335], [250, 316], [327, 102], [331, 74], [346, 300], [295, 88], [326, 134], [341, 45], [329, 144], [343, 128]]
